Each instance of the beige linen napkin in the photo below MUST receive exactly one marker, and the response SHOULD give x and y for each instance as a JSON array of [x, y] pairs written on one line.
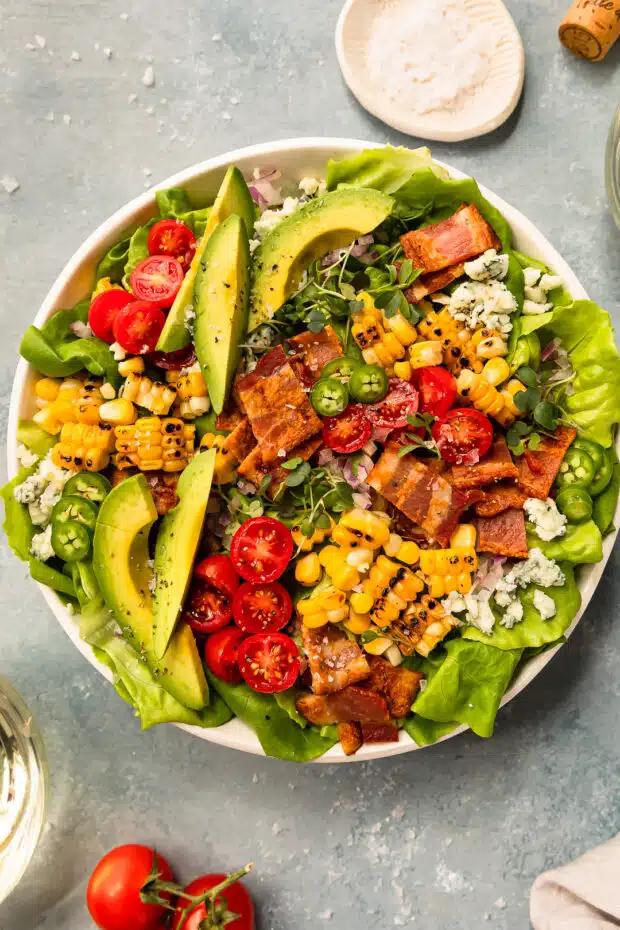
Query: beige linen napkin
[[583, 895]]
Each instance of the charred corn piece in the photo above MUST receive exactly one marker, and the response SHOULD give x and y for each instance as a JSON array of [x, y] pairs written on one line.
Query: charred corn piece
[[459, 348], [496, 371], [377, 645], [154, 396], [361, 528], [427, 352], [491, 346], [63, 408], [308, 569], [133, 366], [306, 543], [464, 537], [118, 412], [329, 606], [441, 585], [343, 576], [46, 389], [154, 443], [225, 463], [378, 338], [357, 623], [484, 397], [83, 447], [513, 387], [448, 561], [403, 370], [402, 329], [423, 626], [391, 587], [88, 401], [192, 395]]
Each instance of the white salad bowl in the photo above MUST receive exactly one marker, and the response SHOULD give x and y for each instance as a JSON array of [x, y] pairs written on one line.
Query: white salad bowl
[[296, 158]]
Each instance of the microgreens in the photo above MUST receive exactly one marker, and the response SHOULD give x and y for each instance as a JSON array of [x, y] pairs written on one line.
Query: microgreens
[[420, 421]]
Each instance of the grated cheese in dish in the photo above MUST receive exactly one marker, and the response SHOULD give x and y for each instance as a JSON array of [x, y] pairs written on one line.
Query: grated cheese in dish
[[428, 56]]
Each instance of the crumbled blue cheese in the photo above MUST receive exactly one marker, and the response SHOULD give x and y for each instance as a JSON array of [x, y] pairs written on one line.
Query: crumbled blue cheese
[[261, 339], [544, 604], [25, 457], [41, 545], [537, 287], [118, 352], [487, 303], [312, 186], [269, 219], [476, 608], [536, 569], [512, 614], [531, 276], [30, 489], [488, 265], [82, 330], [42, 490], [545, 517]]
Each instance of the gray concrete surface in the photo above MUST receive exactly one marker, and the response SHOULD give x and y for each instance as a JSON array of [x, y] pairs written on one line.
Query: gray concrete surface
[[447, 838]]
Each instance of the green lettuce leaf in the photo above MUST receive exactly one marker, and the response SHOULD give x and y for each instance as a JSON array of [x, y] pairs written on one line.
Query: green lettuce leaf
[[533, 632], [586, 332], [175, 204], [47, 575], [605, 504], [135, 682], [425, 732], [278, 734], [385, 169], [112, 265], [468, 685], [137, 251], [581, 543], [559, 296], [287, 700], [18, 527], [34, 438]]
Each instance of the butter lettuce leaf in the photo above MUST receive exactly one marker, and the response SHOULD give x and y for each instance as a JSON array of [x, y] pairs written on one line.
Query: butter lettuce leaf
[[605, 504], [468, 685], [586, 332], [112, 265], [17, 525], [582, 543], [34, 438], [533, 632], [174, 203], [385, 169], [425, 732], [279, 735]]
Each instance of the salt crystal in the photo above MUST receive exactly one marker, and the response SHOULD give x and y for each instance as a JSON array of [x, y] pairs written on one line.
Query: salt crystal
[[40, 40], [147, 172], [276, 828], [234, 101], [9, 183], [49, 116], [500, 903], [124, 17], [148, 78], [217, 37], [107, 52], [66, 118], [226, 115], [326, 915], [75, 56], [149, 110], [132, 98]]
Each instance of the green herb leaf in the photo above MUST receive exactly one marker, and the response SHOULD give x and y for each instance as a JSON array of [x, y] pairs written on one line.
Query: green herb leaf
[[290, 464], [546, 415], [527, 375]]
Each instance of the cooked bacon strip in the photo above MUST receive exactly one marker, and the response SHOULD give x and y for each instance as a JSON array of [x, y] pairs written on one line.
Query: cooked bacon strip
[[537, 470], [379, 733], [241, 441], [277, 405], [334, 660], [422, 494], [497, 464], [229, 418], [431, 283], [462, 236], [313, 352], [163, 487], [499, 498], [503, 534], [398, 685], [350, 736], [351, 703], [254, 469]]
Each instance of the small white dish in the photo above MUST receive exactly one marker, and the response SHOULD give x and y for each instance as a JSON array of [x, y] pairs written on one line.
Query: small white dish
[[481, 112]]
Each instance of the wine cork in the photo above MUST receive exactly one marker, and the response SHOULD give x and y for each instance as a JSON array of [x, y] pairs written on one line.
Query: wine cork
[[591, 27]]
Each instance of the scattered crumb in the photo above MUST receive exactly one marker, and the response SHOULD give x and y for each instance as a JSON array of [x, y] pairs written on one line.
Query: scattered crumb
[[75, 56], [40, 40], [49, 117], [449, 881], [448, 841], [147, 172], [254, 779], [325, 915], [107, 52], [66, 118], [149, 110], [500, 903], [9, 183], [226, 115], [276, 828], [30, 47], [124, 17], [132, 98], [163, 100], [148, 78], [216, 37], [399, 812]]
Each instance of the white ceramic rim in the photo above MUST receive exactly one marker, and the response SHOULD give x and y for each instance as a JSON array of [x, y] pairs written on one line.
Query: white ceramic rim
[[426, 126], [76, 278]]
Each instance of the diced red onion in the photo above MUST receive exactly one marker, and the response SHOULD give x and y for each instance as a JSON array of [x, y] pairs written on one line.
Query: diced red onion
[[549, 349], [356, 476], [362, 500], [370, 448], [263, 187], [257, 197], [360, 246], [246, 487]]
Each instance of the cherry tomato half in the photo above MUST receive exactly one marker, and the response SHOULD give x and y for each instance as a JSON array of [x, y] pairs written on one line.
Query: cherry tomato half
[[401, 401], [221, 654], [218, 572], [104, 309], [463, 436], [174, 361], [157, 279], [137, 327], [113, 893], [437, 389], [349, 431], [172, 237], [261, 549], [235, 899], [269, 662], [262, 608]]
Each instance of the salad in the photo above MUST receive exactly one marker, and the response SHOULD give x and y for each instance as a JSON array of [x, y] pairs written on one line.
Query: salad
[[327, 460]]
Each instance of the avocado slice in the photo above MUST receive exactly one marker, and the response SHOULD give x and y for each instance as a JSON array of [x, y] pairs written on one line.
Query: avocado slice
[[175, 550], [121, 564], [221, 300], [232, 197], [329, 222]]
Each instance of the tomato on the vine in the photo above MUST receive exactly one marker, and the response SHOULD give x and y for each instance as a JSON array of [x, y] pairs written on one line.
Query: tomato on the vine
[[235, 899], [104, 310], [269, 662], [172, 237], [261, 549], [138, 326], [349, 431], [463, 436], [113, 893], [436, 387], [262, 608], [157, 279], [221, 654]]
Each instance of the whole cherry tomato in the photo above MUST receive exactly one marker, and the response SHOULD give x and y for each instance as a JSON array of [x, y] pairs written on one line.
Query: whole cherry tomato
[[221, 654], [209, 604], [234, 899], [104, 310], [113, 893], [172, 237]]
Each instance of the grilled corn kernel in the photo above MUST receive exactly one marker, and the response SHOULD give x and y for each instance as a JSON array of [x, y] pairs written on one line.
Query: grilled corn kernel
[[108, 391], [393, 544], [402, 370], [484, 397], [408, 552], [360, 602], [361, 528], [458, 343], [154, 443], [491, 347], [394, 655], [441, 585], [448, 561], [308, 569], [464, 537], [378, 645], [191, 384], [225, 463], [131, 366], [343, 576], [357, 623], [82, 446], [119, 412], [47, 389], [154, 396], [402, 329], [306, 543], [496, 371], [422, 354], [313, 621], [360, 558]]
